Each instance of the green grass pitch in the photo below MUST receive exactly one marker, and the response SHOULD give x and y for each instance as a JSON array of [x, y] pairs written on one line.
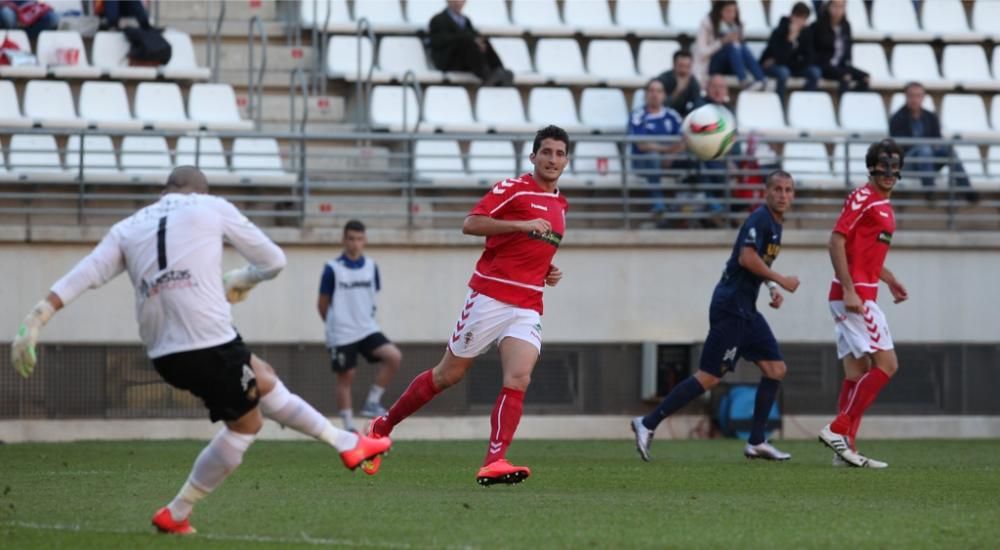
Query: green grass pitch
[[597, 494]]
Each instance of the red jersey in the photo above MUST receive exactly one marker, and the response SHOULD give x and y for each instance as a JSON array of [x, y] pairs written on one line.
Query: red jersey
[[868, 223], [513, 266]]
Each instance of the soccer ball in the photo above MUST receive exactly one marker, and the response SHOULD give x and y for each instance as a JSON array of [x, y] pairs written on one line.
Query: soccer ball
[[709, 131]]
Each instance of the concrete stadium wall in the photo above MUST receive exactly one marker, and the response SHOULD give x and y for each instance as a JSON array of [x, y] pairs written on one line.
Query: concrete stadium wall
[[619, 286]]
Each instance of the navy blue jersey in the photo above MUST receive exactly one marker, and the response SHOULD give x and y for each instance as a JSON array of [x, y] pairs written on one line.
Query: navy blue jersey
[[664, 123], [738, 288]]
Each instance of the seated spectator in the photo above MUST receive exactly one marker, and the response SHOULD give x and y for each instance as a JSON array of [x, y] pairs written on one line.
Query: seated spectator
[[33, 17], [651, 157], [789, 51], [719, 46], [832, 42], [112, 11], [682, 90], [913, 121], [457, 46]]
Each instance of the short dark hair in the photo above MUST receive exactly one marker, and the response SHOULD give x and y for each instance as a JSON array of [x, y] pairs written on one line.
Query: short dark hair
[[650, 83], [913, 84], [887, 147], [682, 53], [550, 132], [800, 9], [354, 225], [778, 174]]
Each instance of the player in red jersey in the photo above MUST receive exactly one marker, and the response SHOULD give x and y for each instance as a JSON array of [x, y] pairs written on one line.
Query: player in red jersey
[[858, 247], [523, 220]]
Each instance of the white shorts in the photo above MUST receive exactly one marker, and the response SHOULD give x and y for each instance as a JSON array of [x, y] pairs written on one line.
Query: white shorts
[[484, 320], [860, 335]]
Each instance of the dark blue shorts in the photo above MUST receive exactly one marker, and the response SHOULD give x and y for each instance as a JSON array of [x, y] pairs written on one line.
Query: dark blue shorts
[[731, 337]]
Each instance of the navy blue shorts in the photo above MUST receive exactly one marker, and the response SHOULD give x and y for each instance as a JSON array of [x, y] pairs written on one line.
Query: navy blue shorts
[[731, 337]]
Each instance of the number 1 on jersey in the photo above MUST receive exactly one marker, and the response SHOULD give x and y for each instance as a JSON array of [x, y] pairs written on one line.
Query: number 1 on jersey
[[161, 244]]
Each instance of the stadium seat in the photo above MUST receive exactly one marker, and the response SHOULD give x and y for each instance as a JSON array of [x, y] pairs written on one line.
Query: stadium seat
[[386, 108], [342, 59], [656, 56], [502, 110], [992, 167], [399, 54], [972, 162], [206, 153], [439, 161], [553, 106], [492, 161], [809, 164], [160, 105], [539, 17], [105, 105], [259, 160], [812, 111], [183, 64], [685, 17], [560, 60], [612, 62], [871, 59], [448, 108], [35, 153], [420, 12], [491, 18], [857, 171], [946, 19], [967, 65], [604, 109], [916, 62], [513, 52], [10, 109], [214, 107], [995, 112], [761, 111], [52, 50], [98, 157], [597, 163], [332, 13], [753, 18], [590, 18], [986, 17], [863, 112], [50, 103], [145, 158], [19, 37], [895, 18], [756, 47], [857, 15], [385, 16], [965, 115], [641, 17], [110, 53], [65, 7], [899, 99]]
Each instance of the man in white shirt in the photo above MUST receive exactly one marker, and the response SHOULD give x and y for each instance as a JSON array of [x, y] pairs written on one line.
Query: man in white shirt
[[172, 250], [346, 304]]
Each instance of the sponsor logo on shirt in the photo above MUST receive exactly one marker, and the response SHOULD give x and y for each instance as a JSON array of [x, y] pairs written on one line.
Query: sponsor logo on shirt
[[771, 253], [169, 280], [354, 284], [540, 207], [885, 237], [550, 237]]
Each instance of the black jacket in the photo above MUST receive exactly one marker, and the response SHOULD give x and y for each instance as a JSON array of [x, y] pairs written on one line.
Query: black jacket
[[782, 52], [685, 102], [901, 124], [823, 39], [445, 34]]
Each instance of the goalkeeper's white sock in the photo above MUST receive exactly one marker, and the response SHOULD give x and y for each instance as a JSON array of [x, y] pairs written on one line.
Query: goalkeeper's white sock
[[291, 410], [375, 394], [216, 461]]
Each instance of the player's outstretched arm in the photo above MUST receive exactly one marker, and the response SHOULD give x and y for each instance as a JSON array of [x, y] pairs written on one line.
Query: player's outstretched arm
[[838, 256], [750, 261], [484, 226], [22, 349], [899, 293], [266, 258]]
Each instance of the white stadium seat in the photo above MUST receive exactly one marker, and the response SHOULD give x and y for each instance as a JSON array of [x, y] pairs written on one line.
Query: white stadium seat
[[420, 12], [808, 163], [993, 166], [967, 65], [333, 13], [972, 162], [597, 162], [398, 54], [145, 158], [656, 56], [753, 18], [899, 99], [257, 157], [110, 53], [686, 16], [10, 110], [51, 49], [896, 18], [946, 18], [105, 105], [206, 153], [384, 15], [986, 17], [857, 171], [965, 115], [995, 111], [214, 106], [34, 153], [857, 15], [513, 52], [183, 64], [539, 17], [342, 57], [863, 112], [160, 105], [812, 111], [590, 17], [917, 62], [490, 17], [492, 161], [642, 17], [612, 62], [604, 109], [560, 60], [50, 103], [871, 59], [439, 161], [553, 106], [448, 108], [20, 38], [386, 107], [501, 109], [98, 156], [756, 47], [760, 111]]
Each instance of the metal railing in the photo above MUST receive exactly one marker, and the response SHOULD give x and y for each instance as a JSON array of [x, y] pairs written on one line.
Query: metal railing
[[255, 89]]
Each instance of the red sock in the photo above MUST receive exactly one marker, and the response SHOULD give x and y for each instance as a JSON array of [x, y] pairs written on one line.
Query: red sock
[[845, 396], [417, 394], [503, 423], [864, 394], [855, 425]]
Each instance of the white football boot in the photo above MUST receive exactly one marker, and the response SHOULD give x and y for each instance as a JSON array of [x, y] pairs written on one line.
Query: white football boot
[[643, 437], [766, 451], [872, 463], [841, 446]]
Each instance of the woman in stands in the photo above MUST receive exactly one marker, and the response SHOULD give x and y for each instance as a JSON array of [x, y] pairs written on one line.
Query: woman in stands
[[832, 42], [720, 48]]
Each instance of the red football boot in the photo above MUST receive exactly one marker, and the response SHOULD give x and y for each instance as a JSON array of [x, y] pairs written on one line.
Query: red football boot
[[165, 523], [368, 450], [501, 471]]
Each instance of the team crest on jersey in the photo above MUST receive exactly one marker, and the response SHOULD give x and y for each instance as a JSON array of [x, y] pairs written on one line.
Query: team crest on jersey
[[468, 338], [885, 237]]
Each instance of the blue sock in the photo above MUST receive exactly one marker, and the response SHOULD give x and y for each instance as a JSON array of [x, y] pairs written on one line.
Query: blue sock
[[767, 390], [681, 395]]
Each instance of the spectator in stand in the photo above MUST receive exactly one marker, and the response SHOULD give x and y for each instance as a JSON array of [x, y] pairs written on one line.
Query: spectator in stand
[[651, 157], [715, 172], [913, 121], [683, 92], [789, 51], [832, 42], [33, 17], [111, 11], [457, 46], [719, 47]]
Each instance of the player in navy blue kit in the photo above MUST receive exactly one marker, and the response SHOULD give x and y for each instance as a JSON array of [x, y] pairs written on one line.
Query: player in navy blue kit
[[737, 329]]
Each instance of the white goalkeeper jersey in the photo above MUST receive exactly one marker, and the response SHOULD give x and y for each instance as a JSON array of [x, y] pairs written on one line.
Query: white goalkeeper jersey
[[173, 253]]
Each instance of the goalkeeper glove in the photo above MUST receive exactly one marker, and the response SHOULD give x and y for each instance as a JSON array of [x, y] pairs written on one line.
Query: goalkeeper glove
[[239, 282], [22, 349]]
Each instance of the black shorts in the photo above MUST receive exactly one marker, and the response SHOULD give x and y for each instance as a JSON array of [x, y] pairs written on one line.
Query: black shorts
[[221, 376], [731, 337], [345, 358]]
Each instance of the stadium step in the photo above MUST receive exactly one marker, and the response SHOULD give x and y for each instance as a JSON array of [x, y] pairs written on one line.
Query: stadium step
[[239, 10]]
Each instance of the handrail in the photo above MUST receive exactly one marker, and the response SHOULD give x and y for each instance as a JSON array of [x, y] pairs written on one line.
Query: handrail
[[362, 91], [298, 76], [319, 54], [255, 91], [216, 39], [410, 79]]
